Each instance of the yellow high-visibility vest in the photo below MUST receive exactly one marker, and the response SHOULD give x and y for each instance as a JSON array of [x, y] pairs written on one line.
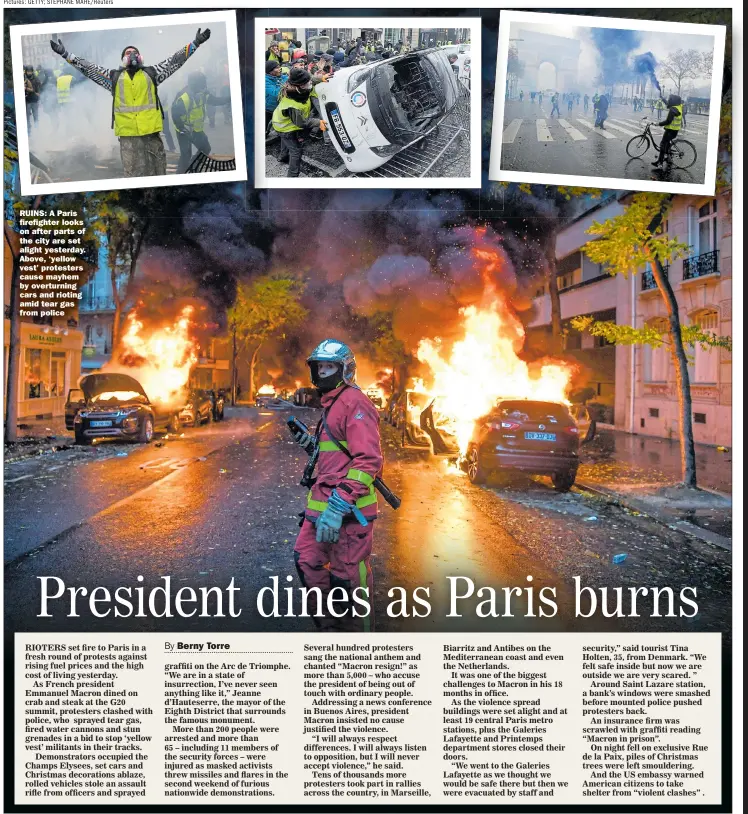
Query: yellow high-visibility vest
[[283, 123], [195, 111], [677, 122], [63, 89], [136, 110]]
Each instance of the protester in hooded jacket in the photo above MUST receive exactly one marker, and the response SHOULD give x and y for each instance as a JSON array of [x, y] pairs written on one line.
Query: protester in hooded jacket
[[274, 82]]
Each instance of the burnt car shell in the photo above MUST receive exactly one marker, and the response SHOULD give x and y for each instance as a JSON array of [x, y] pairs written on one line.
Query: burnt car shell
[[413, 94], [116, 406]]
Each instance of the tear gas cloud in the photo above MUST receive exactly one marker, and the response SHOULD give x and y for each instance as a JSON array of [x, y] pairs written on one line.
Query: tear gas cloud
[[81, 130], [614, 46]]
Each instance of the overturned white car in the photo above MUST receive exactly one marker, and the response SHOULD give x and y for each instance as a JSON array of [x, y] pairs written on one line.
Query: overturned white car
[[376, 110]]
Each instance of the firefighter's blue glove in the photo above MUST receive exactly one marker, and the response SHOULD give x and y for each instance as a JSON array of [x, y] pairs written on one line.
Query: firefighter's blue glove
[[330, 521]]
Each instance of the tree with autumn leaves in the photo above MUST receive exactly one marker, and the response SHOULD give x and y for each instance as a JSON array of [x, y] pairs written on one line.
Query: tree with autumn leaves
[[265, 308], [633, 241]]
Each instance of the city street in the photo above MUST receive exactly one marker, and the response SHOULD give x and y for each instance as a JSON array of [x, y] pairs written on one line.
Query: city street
[[222, 502], [572, 145]]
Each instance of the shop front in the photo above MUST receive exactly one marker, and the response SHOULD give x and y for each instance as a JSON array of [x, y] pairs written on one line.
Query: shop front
[[50, 365]]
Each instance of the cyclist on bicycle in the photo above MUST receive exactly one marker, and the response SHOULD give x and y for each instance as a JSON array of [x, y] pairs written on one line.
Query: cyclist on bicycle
[[672, 125]]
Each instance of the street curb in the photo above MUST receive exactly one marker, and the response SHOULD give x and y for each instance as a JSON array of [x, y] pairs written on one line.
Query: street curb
[[659, 517]]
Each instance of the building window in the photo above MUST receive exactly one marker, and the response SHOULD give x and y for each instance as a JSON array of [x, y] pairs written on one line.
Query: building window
[[89, 335], [699, 418], [573, 340], [601, 342], [654, 412], [703, 228], [656, 361], [704, 369]]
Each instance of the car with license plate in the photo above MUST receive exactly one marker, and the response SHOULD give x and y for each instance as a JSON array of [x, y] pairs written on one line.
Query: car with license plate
[[114, 405], [521, 435], [376, 110]]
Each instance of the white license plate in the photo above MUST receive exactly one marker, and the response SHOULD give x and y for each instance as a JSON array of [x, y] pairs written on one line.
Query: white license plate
[[540, 436], [101, 423]]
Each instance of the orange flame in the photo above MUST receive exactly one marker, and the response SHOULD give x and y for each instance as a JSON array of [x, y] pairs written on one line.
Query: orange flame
[[266, 390], [483, 366], [162, 358]]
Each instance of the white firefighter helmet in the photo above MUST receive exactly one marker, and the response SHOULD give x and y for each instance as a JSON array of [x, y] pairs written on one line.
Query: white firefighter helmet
[[331, 350]]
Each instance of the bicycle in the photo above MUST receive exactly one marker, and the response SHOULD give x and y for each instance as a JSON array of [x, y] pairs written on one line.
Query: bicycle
[[682, 153]]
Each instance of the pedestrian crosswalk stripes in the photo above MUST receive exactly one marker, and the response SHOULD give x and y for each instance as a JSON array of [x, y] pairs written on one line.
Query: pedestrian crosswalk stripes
[[572, 131], [511, 130], [591, 125], [544, 134], [616, 124], [616, 128]]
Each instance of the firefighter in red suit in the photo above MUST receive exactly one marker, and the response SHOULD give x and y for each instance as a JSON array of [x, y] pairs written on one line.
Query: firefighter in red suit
[[333, 548]]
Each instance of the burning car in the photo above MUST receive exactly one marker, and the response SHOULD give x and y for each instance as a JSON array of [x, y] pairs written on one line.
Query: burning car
[[424, 424], [114, 405], [376, 110], [535, 437]]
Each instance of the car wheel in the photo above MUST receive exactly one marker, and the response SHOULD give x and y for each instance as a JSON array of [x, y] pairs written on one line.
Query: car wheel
[[563, 481], [209, 417], [475, 471], [145, 436], [174, 424], [81, 439]]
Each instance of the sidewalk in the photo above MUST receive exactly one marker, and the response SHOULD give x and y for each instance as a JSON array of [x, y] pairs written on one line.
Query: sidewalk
[[643, 473], [38, 437]]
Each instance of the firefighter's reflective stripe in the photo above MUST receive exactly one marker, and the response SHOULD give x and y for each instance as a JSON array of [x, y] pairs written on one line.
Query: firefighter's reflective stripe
[[364, 583], [361, 477], [63, 89], [283, 123], [195, 112], [677, 122], [331, 446], [136, 110], [361, 503]]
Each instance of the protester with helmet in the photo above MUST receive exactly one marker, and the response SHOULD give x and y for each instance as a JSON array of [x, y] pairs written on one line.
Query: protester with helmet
[[136, 110], [293, 118], [333, 548], [188, 115], [672, 125]]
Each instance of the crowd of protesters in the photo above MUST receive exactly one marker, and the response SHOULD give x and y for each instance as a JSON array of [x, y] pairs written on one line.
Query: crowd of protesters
[[291, 75]]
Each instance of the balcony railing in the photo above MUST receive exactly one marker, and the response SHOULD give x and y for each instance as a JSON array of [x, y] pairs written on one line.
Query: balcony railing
[[97, 303], [648, 280], [701, 265]]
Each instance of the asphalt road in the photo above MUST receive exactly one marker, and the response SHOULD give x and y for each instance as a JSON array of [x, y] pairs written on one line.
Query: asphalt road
[[222, 502], [532, 141]]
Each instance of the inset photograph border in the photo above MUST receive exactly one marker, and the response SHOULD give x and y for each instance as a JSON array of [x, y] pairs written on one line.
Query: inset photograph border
[[618, 132], [417, 163], [58, 30]]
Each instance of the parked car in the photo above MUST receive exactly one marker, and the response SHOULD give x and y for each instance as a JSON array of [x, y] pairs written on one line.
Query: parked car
[[423, 424], [198, 409], [375, 111], [114, 405], [536, 437]]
